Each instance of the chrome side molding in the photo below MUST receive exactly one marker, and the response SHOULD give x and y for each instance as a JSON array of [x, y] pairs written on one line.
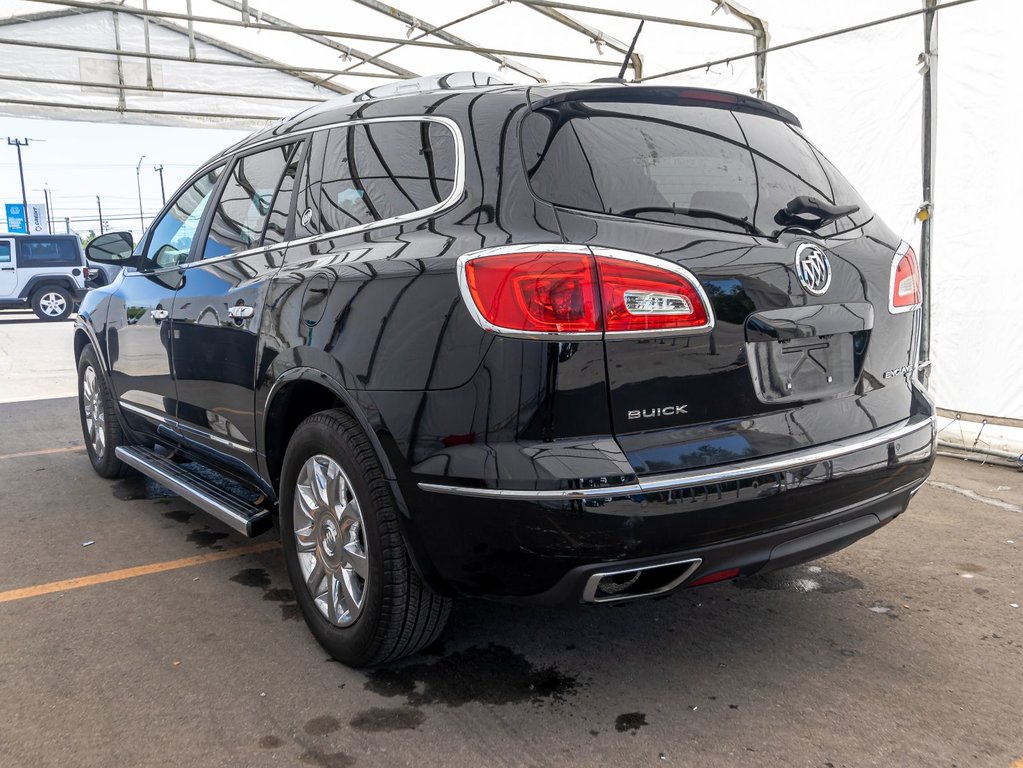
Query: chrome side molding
[[704, 476]]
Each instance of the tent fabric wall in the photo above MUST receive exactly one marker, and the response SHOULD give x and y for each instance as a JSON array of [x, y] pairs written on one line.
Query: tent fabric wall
[[858, 96]]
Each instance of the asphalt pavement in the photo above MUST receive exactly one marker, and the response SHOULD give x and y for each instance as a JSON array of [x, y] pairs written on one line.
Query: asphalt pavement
[[136, 631]]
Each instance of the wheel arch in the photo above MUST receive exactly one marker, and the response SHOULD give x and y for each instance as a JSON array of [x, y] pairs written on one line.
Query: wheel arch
[[299, 393], [41, 281]]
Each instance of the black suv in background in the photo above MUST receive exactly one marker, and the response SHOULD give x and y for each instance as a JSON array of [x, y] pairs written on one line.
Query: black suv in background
[[549, 344]]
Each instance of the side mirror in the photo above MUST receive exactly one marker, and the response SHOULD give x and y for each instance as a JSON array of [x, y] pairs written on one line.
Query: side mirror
[[112, 248]]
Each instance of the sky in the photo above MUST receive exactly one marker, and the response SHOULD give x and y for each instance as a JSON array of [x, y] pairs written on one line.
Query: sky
[[80, 160]]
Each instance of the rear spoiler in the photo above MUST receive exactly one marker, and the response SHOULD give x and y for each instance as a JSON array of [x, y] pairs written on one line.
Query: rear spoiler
[[539, 97]]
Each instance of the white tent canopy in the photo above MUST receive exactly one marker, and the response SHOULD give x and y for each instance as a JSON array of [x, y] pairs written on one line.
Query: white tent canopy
[[238, 63]]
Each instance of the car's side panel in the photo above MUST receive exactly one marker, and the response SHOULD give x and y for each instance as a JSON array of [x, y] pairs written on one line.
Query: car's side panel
[[215, 353], [138, 340]]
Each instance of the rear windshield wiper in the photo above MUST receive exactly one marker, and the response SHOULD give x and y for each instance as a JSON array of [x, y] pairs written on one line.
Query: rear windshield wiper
[[812, 212], [696, 213]]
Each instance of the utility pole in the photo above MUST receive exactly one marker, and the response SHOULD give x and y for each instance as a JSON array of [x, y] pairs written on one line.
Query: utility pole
[[163, 195], [19, 143], [99, 207], [49, 211], [138, 182], [67, 225]]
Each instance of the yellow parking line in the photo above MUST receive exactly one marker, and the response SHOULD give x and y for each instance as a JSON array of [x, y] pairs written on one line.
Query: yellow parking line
[[43, 452], [131, 573]]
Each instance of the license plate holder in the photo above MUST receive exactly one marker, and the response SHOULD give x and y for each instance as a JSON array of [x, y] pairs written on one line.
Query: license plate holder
[[810, 368]]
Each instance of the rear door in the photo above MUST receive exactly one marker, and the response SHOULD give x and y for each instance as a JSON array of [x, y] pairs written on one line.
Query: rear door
[[138, 320], [8, 270], [789, 362], [217, 310]]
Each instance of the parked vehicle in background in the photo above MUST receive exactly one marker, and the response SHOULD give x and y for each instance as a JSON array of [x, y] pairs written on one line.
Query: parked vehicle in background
[[551, 344], [45, 272]]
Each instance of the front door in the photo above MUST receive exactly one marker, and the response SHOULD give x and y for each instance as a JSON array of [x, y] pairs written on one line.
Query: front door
[[217, 310], [8, 273], [139, 337]]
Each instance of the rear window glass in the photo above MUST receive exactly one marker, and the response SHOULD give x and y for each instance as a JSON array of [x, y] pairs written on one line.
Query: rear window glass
[[694, 166], [47, 252], [374, 171]]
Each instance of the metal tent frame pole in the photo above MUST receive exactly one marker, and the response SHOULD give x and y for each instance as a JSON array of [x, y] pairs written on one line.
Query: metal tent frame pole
[[928, 157]]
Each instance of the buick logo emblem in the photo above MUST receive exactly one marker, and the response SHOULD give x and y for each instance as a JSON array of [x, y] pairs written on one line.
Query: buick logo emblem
[[813, 269]]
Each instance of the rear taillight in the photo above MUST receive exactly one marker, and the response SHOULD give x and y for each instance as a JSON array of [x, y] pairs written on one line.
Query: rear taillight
[[905, 291], [554, 291], [85, 272]]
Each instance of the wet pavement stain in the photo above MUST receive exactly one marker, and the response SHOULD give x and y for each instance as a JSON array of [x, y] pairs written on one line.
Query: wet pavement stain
[[139, 487], [802, 578], [630, 721], [257, 577], [324, 760], [206, 539], [492, 675], [252, 577], [321, 726], [270, 742], [178, 515], [383, 720]]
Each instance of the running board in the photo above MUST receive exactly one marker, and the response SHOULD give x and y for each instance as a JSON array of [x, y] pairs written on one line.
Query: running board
[[236, 513]]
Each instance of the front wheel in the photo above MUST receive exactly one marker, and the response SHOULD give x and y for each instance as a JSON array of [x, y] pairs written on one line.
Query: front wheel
[[52, 303], [100, 427], [352, 576]]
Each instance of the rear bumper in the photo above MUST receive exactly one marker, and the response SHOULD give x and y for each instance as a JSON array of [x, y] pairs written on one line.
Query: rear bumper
[[544, 546], [765, 552]]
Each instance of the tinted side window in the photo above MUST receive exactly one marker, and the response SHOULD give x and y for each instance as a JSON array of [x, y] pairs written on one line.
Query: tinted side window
[[5, 252], [172, 235], [277, 221], [45, 252], [659, 162], [246, 201], [375, 171]]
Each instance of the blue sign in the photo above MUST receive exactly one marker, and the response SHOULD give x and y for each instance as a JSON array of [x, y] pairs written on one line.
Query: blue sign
[[16, 218]]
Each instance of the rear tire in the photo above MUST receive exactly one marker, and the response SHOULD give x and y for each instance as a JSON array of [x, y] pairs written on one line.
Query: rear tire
[[100, 427], [52, 303], [353, 580]]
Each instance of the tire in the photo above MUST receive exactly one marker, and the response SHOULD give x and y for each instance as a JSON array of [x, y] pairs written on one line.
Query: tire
[[100, 427], [389, 614], [52, 303]]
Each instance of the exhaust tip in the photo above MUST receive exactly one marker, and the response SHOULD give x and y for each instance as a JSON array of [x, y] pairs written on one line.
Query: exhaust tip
[[632, 583]]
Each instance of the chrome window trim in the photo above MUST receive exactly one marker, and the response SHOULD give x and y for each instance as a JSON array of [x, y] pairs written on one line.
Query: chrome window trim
[[899, 253], [614, 253], [704, 476], [457, 189]]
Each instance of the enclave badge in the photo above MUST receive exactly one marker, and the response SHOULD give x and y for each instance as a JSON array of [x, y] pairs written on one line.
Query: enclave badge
[[813, 269]]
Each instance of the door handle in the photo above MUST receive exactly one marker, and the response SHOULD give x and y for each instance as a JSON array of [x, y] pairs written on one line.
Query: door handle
[[6, 269], [240, 312], [159, 314]]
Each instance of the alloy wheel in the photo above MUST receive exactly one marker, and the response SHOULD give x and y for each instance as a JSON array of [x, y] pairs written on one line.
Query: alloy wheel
[[95, 414], [53, 304], [330, 540]]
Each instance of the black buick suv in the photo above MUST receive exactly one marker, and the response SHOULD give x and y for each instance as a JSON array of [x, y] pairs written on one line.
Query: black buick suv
[[559, 344]]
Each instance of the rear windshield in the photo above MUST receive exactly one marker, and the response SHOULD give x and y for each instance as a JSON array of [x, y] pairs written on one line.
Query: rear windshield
[[695, 166], [48, 252]]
